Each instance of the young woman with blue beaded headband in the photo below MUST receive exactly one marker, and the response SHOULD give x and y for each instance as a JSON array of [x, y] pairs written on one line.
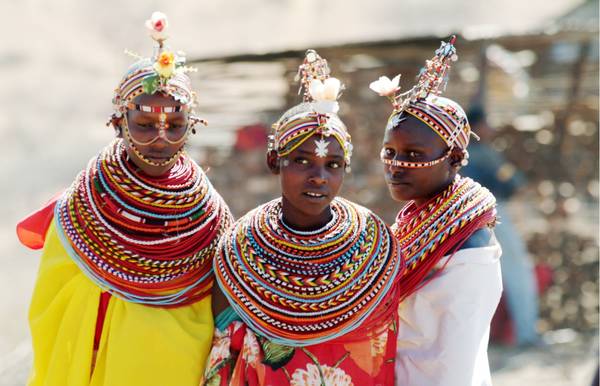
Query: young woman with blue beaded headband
[[306, 283], [452, 281], [122, 295]]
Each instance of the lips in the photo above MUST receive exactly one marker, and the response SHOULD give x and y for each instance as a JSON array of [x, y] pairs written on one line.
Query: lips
[[397, 182], [158, 157], [314, 195]]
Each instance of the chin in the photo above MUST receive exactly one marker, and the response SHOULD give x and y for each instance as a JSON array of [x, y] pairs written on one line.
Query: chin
[[399, 194], [314, 210]]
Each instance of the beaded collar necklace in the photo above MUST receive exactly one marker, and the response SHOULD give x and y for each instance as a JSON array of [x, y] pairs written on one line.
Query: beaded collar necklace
[[302, 288], [146, 240], [438, 227]]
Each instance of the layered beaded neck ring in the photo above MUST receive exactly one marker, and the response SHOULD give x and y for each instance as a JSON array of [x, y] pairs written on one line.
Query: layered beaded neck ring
[[438, 227], [301, 288], [148, 241]]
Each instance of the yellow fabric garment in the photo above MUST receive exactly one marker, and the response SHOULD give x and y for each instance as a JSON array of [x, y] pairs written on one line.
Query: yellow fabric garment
[[139, 345]]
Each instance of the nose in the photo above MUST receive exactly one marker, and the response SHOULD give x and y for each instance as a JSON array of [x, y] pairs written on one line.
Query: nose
[[159, 144], [395, 171], [393, 168], [318, 176]]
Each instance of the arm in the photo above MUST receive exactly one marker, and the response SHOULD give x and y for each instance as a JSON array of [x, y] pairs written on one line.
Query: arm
[[219, 301]]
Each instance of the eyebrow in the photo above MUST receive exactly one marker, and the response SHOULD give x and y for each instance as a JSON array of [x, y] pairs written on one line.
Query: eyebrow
[[306, 152], [409, 144]]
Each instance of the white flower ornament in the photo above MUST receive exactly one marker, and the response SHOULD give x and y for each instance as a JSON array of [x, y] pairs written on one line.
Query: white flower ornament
[[386, 87], [157, 26], [325, 94]]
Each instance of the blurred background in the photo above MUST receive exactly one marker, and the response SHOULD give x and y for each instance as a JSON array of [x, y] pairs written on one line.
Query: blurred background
[[527, 73]]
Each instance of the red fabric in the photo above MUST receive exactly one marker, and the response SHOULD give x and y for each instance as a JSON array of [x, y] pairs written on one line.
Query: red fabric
[[251, 137], [31, 231], [102, 306], [240, 358]]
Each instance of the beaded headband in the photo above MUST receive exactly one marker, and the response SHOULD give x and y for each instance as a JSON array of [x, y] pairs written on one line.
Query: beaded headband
[[165, 72], [412, 165], [316, 115], [156, 109], [423, 101]]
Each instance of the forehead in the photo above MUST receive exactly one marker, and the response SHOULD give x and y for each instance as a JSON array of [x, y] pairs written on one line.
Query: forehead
[[308, 146], [412, 131]]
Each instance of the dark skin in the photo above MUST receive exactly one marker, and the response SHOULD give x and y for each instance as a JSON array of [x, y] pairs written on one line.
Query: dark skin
[[308, 185], [140, 121], [412, 140]]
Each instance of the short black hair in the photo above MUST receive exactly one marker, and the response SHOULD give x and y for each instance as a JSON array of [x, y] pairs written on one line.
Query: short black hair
[[476, 115]]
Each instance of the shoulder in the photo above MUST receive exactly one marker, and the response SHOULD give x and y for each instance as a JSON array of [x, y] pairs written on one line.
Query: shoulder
[[479, 239], [481, 248]]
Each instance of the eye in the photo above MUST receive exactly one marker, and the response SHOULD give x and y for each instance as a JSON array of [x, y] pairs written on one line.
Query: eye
[[301, 161], [335, 165], [388, 153], [413, 154]]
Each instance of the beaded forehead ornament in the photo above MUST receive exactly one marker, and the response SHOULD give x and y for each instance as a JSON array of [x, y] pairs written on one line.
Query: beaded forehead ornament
[[316, 115], [423, 101], [166, 73]]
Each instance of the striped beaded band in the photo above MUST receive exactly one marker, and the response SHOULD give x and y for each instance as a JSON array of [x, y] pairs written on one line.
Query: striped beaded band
[[445, 117], [294, 131], [412, 165], [145, 240], [178, 86], [299, 289], [157, 109]]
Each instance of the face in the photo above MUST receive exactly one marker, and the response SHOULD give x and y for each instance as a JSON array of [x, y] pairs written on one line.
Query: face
[[311, 176], [144, 135], [413, 141]]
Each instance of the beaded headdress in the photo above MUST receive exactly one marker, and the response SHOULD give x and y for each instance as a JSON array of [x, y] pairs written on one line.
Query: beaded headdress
[[423, 101], [316, 115], [165, 72]]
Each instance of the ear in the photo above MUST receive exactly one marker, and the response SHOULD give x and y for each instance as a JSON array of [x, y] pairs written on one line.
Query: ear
[[273, 161], [456, 159], [115, 122]]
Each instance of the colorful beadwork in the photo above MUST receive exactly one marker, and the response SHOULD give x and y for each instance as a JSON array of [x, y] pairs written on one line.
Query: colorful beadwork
[[157, 109], [301, 288], [423, 101], [438, 227], [316, 115], [145, 240], [411, 165]]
